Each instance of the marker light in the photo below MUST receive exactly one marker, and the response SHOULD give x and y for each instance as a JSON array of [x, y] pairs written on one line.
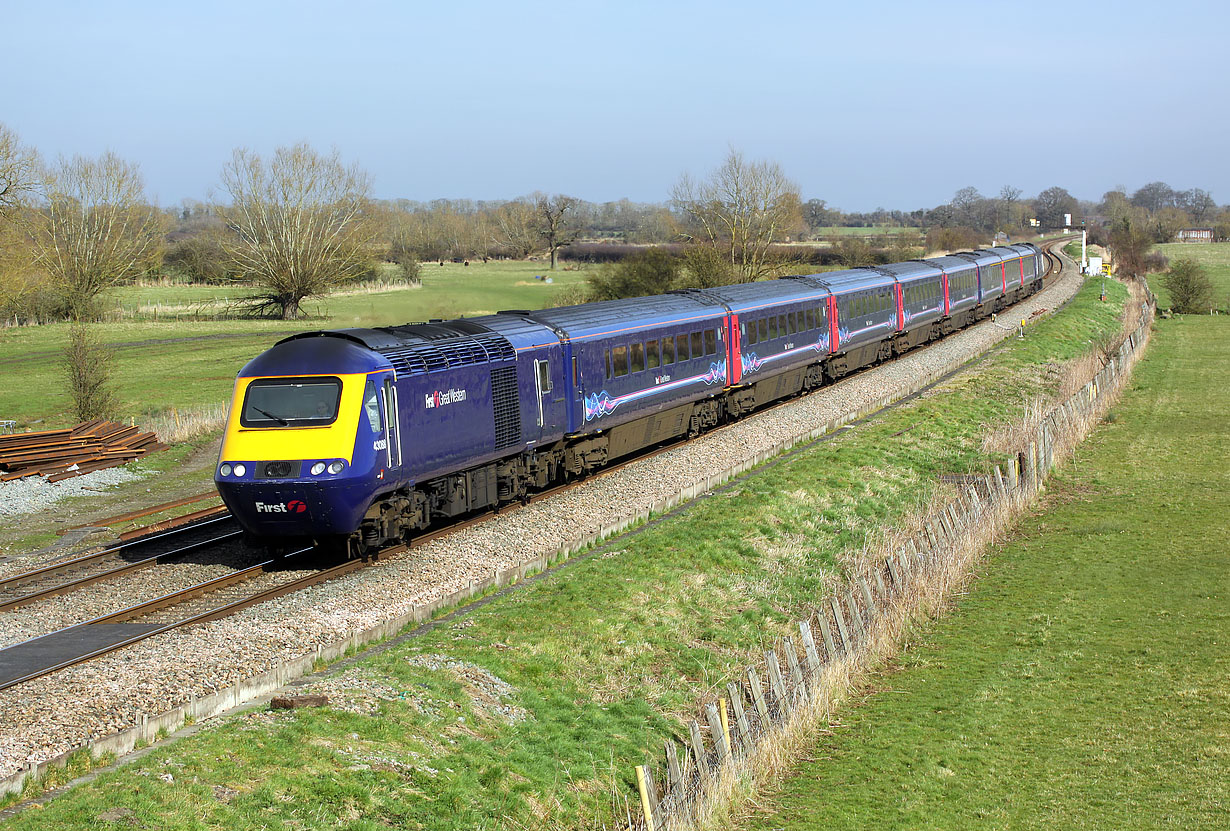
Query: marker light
[[240, 470], [225, 470], [336, 467], [318, 468]]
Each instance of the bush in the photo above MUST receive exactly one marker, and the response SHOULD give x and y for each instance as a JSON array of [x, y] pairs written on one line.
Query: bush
[[1191, 290], [651, 271], [407, 261], [199, 258], [704, 267], [88, 366], [954, 239], [1156, 262]]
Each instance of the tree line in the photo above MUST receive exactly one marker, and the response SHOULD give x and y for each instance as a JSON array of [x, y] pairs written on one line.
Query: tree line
[[300, 223]]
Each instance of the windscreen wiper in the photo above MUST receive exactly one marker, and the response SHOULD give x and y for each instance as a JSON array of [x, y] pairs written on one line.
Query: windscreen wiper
[[278, 419]]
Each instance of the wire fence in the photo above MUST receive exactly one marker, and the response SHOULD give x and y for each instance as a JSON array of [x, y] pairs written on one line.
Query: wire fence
[[803, 672]]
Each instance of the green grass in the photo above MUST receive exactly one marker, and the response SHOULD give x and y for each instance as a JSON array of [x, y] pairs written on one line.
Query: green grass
[[1215, 257], [154, 357], [1082, 683], [603, 659]]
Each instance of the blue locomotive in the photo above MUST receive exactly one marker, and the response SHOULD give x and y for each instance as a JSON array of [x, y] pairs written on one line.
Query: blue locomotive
[[365, 436]]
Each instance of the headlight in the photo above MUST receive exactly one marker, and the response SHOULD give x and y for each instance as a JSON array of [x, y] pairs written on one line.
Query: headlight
[[336, 467], [240, 470], [225, 470], [318, 468]]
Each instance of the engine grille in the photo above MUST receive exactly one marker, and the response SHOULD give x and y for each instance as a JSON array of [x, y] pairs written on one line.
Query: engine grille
[[507, 407]]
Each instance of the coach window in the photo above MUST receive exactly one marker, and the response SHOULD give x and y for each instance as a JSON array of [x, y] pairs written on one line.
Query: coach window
[[606, 362], [638, 357], [668, 350], [711, 341], [772, 321], [681, 349], [651, 355], [698, 347], [781, 326], [762, 328], [749, 331], [809, 318], [619, 361]]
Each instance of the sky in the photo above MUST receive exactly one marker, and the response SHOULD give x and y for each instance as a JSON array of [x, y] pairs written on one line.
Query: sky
[[862, 104]]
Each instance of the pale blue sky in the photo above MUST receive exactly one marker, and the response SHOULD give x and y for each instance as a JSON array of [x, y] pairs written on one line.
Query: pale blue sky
[[864, 104]]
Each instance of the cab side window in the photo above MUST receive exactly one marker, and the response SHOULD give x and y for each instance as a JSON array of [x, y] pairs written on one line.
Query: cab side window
[[371, 405]]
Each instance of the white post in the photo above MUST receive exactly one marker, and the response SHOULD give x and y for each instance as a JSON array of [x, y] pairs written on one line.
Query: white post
[[1084, 258]]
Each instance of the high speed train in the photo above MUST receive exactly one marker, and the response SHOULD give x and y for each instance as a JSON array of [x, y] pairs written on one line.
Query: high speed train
[[362, 437]]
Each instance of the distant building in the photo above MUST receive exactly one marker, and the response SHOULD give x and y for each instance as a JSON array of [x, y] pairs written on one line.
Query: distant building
[[1194, 235]]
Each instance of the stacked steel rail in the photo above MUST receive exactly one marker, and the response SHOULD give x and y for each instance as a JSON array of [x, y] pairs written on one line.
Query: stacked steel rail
[[62, 454]]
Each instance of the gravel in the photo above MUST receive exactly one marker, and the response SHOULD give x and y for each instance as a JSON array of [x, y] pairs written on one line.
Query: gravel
[[34, 494], [46, 717]]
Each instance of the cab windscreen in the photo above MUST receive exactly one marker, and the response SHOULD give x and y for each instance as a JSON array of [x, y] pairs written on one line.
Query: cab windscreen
[[291, 402]]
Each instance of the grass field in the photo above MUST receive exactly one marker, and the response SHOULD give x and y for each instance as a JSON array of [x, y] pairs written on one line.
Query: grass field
[[1082, 682], [1215, 257], [531, 711], [154, 357]]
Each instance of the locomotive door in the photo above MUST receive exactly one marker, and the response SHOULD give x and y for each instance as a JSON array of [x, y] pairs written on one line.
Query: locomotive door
[[392, 430], [550, 393]]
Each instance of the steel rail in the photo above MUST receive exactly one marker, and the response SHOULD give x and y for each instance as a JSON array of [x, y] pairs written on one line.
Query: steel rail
[[76, 562]]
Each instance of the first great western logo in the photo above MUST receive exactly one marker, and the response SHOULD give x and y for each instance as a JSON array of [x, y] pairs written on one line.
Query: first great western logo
[[440, 398]]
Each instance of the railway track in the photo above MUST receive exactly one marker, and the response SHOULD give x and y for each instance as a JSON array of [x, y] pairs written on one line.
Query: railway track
[[224, 595], [146, 551]]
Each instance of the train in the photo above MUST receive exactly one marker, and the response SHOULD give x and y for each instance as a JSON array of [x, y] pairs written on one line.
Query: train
[[361, 438]]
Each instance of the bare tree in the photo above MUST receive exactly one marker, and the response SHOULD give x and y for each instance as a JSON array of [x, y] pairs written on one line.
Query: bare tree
[[94, 229], [1199, 203], [1009, 196], [18, 169], [516, 227], [965, 204], [555, 226], [1154, 196], [299, 222], [1129, 243], [741, 210], [1051, 204]]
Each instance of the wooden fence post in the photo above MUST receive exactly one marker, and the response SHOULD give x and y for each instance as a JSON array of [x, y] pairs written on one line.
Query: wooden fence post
[[742, 728], [715, 730], [809, 648], [698, 751], [856, 619], [649, 802], [846, 645], [673, 774], [776, 684], [894, 573], [792, 662], [762, 709], [872, 611], [827, 633]]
